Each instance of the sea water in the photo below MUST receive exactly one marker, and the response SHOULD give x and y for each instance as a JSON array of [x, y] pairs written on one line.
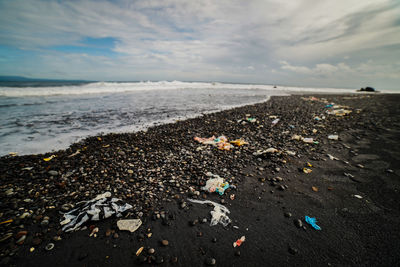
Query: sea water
[[47, 116]]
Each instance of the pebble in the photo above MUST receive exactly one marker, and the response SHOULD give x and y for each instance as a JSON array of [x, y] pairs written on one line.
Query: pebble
[[237, 253], [151, 251], [298, 223], [6, 236], [199, 234], [211, 261], [287, 214], [159, 259], [36, 241], [49, 246], [174, 259], [293, 250], [21, 240], [194, 222], [115, 236], [164, 242], [214, 240], [53, 173]]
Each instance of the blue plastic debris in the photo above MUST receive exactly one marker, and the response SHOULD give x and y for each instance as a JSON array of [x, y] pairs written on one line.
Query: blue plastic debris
[[329, 106], [313, 222]]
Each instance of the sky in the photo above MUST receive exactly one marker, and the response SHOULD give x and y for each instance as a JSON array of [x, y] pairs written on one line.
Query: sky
[[319, 43]]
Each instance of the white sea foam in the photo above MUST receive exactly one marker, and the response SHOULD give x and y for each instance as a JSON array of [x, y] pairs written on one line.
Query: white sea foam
[[123, 87]]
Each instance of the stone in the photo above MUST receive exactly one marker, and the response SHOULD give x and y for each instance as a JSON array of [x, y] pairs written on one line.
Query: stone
[[53, 173], [237, 253], [49, 246], [151, 251], [211, 261], [164, 242], [293, 250], [129, 225], [298, 223], [36, 241], [287, 214]]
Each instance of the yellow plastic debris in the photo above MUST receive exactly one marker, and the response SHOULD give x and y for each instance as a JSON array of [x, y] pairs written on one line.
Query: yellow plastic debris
[[106, 146], [8, 221], [31, 249], [239, 142], [306, 170], [50, 158], [99, 138], [309, 164], [139, 251], [13, 154]]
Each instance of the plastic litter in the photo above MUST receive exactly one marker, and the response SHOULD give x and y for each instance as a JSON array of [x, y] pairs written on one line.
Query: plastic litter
[[270, 150], [339, 112], [101, 207], [218, 215], [13, 154], [333, 137], [312, 222], [307, 170], [251, 119], [274, 122], [239, 242], [216, 184], [239, 142], [50, 158], [308, 140], [130, 225], [139, 251], [221, 142], [8, 221], [358, 196], [332, 157]]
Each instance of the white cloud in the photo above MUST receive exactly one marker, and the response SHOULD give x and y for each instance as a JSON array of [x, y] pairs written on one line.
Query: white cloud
[[172, 38]]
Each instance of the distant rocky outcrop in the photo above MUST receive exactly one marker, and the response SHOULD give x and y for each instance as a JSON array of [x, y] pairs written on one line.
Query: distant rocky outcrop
[[367, 89]]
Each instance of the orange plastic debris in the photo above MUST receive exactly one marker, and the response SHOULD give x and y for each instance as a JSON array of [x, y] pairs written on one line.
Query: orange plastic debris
[[239, 242]]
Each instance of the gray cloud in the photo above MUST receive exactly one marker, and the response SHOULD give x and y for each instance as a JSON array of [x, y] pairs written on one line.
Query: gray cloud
[[316, 43]]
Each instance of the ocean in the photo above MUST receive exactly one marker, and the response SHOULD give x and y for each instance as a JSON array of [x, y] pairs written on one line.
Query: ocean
[[42, 117]]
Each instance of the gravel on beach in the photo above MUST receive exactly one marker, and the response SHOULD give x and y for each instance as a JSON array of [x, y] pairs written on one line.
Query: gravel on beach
[[329, 157]]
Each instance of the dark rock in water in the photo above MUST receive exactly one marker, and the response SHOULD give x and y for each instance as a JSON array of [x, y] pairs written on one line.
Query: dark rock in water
[[367, 89], [298, 223]]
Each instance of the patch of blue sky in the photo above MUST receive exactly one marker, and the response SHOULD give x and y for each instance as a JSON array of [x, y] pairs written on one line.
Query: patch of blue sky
[[91, 46]]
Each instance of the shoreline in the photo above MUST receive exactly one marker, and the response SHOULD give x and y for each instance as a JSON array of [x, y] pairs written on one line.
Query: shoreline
[[156, 170]]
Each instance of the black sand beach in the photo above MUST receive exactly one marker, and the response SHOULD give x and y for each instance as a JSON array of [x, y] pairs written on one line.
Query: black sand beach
[[354, 194]]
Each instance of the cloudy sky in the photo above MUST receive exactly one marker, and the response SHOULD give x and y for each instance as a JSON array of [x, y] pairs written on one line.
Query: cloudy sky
[[342, 43]]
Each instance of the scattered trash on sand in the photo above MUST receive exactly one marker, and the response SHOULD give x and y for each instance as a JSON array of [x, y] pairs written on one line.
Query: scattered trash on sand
[[339, 112], [139, 251], [239, 242], [215, 184], [312, 222], [101, 207], [307, 170], [220, 142], [130, 225], [218, 215], [239, 142], [274, 122], [332, 157], [270, 150], [333, 137], [50, 158]]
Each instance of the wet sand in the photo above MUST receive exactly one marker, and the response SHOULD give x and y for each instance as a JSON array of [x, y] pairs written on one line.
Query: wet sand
[[159, 170]]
